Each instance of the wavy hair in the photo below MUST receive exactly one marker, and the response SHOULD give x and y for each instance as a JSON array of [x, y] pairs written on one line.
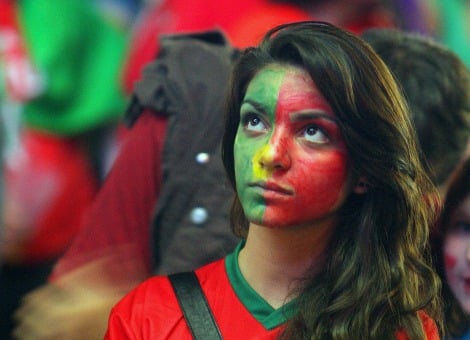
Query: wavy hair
[[376, 277]]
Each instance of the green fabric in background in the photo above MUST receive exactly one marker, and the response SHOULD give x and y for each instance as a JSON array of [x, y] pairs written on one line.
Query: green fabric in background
[[80, 56], [454, 16]]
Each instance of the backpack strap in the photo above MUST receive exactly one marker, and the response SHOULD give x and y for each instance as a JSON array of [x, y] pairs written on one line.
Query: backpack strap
[[194, 305]]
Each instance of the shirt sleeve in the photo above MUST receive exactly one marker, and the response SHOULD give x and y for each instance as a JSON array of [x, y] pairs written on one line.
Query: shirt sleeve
[[149, 311], [429, 326], [119, 329], [118, 223]]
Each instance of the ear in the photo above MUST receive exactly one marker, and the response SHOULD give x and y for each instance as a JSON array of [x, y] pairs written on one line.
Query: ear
[[362, 186]]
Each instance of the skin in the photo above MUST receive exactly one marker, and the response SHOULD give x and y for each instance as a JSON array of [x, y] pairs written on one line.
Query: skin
[[291, 164], [292, 174], [457, 254]]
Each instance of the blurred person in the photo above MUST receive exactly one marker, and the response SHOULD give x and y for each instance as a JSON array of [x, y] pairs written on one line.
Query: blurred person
[[158, 214], [451, 248], [436, 84], [59, 89], [322, 155], [47, 189]]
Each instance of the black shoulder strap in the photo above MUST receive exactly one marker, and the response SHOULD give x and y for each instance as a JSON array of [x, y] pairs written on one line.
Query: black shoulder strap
[[192, 301]]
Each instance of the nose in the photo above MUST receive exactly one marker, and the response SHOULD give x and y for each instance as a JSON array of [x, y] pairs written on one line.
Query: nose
[[276, 154]]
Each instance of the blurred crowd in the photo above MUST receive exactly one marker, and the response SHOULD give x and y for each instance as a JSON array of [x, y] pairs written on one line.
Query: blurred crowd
[[68, 70]]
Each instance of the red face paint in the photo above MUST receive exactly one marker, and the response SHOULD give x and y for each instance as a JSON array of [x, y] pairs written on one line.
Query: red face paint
[[450, 261]]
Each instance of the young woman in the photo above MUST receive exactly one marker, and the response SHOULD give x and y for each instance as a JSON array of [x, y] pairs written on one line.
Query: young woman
[[330, 204], [451, 248]]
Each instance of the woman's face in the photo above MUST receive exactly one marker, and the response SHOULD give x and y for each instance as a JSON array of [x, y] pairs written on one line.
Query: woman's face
[[457, 254], [291, 163]]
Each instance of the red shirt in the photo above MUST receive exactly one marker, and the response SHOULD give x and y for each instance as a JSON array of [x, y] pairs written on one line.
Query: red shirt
[[151, 311]]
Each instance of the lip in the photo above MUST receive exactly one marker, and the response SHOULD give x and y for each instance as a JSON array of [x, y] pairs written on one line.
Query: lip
[[272, 187]]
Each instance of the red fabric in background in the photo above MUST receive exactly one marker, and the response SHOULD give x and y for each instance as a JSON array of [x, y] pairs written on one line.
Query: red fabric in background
[[250, 27], [244, 22], [177, 16], [49, 184], [118, 223]]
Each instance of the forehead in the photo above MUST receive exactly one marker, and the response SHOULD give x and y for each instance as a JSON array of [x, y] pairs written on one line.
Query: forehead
[[274, 75], [287, 88]]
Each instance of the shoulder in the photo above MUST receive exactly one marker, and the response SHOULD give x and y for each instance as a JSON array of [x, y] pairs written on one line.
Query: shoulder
[[429, 326], [211, 272], [156, 295], [153, 294], [151, 310]]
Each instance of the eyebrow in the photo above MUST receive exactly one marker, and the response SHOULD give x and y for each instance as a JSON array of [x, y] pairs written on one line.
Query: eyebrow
[[258, 106], [312, 114], [299, 116]]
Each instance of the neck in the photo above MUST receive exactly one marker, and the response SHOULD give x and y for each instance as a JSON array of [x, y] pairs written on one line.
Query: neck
[[274, 261]]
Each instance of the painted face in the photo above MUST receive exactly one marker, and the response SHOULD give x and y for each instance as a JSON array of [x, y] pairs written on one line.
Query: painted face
[[291, 164], [457, 254]]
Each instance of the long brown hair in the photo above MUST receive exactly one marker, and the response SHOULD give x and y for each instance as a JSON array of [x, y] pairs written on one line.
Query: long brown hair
[[376, 276]]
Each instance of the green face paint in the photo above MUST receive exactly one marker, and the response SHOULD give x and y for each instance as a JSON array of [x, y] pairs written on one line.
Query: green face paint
[[249, 150]]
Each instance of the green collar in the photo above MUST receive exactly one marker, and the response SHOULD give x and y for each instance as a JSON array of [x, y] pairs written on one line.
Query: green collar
[[261, 310]]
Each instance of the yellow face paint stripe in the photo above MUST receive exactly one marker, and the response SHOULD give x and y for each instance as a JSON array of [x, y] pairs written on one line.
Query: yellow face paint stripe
[[260, 172]]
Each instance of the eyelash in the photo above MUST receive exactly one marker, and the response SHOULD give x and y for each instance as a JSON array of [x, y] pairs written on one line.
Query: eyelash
[[247, 118], [317, 129]]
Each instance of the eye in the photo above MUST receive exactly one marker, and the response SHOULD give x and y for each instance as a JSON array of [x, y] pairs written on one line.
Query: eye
[[314, 134], [253, 123], [462, 227]]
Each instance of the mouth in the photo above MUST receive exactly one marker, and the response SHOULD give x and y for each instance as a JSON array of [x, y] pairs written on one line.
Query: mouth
[[272, 187]]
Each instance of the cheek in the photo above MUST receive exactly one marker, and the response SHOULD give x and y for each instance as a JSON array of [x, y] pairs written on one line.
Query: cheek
[[450, 269], [450, 261], [323, 180], [454, 251], [243, 153]]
